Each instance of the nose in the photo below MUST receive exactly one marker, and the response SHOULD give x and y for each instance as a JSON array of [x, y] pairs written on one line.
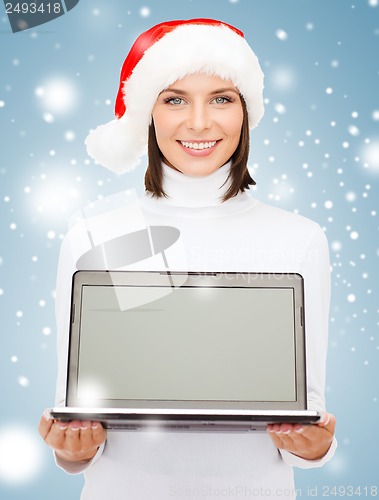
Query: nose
[[199, 118]]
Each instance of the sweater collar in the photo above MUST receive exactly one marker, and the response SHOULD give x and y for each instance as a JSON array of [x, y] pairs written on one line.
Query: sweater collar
[[188, 191]]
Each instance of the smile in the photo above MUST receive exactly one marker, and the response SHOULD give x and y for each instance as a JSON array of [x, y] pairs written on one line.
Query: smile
[[198, 145]]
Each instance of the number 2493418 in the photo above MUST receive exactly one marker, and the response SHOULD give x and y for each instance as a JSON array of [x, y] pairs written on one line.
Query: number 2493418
[[33, 8], [349, 491]]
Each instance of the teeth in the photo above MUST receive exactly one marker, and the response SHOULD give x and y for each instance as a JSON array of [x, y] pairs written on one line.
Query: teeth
[[198, 145]]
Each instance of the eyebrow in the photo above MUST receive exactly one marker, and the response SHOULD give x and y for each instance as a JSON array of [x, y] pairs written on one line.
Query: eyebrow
[[214, 92]]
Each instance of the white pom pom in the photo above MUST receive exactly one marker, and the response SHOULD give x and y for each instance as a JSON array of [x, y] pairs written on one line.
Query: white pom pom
[[116, 145]]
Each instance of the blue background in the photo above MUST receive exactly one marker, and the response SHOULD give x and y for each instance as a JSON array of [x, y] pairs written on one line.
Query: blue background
[[305, 156]]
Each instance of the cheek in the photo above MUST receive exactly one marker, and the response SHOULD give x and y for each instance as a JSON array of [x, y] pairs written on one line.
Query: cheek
[[163, 134], [160, 134], [164, 126], [158, 122], [233, 125]]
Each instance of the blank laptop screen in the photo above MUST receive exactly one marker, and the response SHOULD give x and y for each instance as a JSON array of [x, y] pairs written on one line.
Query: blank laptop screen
[[192, 343]]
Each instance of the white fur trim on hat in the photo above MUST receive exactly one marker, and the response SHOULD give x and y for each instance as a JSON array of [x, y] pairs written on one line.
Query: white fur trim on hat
[[215, 50]]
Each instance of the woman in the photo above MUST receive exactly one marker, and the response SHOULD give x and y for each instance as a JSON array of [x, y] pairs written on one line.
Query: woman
[[194, 89]]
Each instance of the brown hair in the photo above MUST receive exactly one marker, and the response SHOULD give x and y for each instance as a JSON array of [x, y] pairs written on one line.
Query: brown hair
[[239, 174]]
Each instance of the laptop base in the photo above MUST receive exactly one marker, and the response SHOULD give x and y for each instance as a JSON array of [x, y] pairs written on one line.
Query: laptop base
[[119, 419]]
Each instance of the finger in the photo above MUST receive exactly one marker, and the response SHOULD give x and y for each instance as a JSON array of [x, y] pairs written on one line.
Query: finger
[[328, 422], [276, 430], [321, 430], [299, 428], [45, 425], [99, 434], [85, 425], [72, 437], [274, 427], [276, 440], [87, 441], [289, 436], [284, 428], [293, 441], [57, 435]]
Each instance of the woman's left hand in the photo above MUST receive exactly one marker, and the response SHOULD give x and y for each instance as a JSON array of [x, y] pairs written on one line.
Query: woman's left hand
[[311, 442]]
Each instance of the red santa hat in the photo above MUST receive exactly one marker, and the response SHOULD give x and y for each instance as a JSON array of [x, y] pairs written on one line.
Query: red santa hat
[[159, 57]]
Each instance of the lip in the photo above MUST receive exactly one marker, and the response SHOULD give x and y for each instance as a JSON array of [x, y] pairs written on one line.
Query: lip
[[199, 152]]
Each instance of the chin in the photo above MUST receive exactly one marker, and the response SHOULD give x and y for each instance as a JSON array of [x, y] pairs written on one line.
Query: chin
[[197, 169]]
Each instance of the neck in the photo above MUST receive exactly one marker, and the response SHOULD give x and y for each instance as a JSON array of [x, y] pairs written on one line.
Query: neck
[[189, 191]]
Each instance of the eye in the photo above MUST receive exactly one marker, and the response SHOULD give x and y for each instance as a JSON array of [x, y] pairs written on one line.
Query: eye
[[222, 100], [176, 101]]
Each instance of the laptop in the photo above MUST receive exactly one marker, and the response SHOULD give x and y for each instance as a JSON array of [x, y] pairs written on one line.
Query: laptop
[[186, 350]]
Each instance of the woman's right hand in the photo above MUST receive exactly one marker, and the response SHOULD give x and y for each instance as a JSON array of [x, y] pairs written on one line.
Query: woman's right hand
[[73, 441]]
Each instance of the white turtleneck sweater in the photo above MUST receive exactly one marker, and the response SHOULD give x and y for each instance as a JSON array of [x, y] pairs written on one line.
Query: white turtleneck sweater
[[241, 234]]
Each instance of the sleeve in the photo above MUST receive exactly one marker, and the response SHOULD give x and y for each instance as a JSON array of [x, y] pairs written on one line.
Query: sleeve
[[317, 288], [66, 269]]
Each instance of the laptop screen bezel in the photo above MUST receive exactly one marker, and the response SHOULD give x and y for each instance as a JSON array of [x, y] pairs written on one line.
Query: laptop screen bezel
[[292, 281]]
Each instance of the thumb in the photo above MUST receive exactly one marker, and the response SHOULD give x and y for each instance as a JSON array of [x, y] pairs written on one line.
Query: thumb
[[328, 422]]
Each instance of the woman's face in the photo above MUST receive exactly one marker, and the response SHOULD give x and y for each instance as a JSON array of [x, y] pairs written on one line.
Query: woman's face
[[198, 122]]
